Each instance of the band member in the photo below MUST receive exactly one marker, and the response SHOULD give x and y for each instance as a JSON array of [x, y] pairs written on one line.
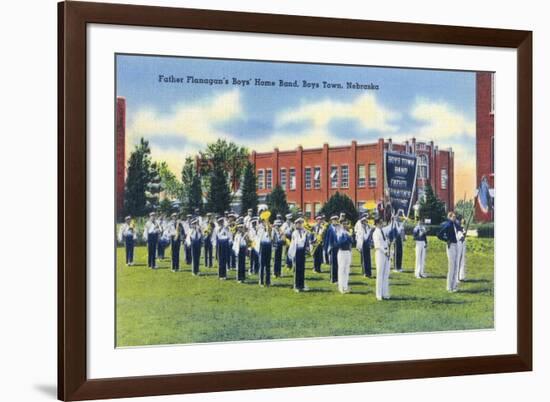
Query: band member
[[151, 235], [331, 245], [421, 239], [197, 215], [297, 252], [287, 228], [382, 259], [254, 256], [264, 239], [461, 248], [164, 237], [399, 233], [193, 241], [448, 234], [222, 239], [186, 248], [240, 247], [208, 231], [177, 234], [318, 232], [128, 235], [231, 219], [363, 239], [344, 242], [247, 218], [278, 244]]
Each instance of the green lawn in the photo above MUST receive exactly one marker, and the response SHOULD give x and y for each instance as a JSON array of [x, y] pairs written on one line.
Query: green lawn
[[162, 307]]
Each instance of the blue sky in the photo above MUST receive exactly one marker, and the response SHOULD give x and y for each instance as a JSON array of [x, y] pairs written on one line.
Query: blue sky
[[180, 118]]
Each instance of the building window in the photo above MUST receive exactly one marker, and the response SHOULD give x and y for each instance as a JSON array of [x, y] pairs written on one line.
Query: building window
[[317, 178], [269, 179], [444, 179], [318, 207], [493, 154], [492, 93], [423, 168], [283, 178], [344, 169], [372, 175], [361, 206], [308, 211], [307, 178], [361, 176], [292, 178], [334, 177], [261, 179]]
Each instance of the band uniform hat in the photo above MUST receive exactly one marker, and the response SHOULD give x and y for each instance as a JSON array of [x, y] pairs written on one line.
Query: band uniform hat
[[277, 222], [334, 217], [128, 218], [299, 220], [288, 216]]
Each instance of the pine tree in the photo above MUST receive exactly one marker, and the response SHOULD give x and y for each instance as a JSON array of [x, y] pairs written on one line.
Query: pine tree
[[432, 207], [154, 187], [188, 172], [137, 180], [165, 206], [276, 202], [219, 195], [194, 200], [249, 195], [340, 203]]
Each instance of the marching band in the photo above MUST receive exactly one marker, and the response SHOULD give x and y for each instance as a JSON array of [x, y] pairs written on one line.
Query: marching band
[[270, 243]]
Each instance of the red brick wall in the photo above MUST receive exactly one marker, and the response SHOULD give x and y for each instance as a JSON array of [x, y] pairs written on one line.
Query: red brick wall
[[485, 131], [120, 153], [352, 156]]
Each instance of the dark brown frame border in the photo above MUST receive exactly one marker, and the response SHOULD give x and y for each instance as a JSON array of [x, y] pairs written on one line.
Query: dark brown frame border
[[73, 383]]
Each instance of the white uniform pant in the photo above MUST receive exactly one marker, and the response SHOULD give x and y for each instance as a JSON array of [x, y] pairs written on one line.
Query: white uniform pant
[[382, 275], [452, 273], [420, 259], [461, 258], [344, 264]]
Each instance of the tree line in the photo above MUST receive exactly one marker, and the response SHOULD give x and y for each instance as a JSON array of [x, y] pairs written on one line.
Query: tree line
[[209, 182]]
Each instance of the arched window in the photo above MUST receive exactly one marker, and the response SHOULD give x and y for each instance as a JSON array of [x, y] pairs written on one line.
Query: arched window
[[423, 167]]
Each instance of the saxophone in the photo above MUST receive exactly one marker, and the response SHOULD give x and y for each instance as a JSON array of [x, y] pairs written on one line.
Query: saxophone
[[319, 238]]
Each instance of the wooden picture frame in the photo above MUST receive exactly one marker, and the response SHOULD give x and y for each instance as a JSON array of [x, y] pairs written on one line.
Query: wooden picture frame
[[73, 17]]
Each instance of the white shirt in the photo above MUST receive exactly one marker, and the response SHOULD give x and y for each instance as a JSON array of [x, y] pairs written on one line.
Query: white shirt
[[126, 230], [150, 228], [381, 242]]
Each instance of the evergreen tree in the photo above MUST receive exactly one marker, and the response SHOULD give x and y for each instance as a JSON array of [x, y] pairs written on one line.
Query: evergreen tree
[[249, 195], [340, 203], [154, 187], [432, 207], [188, 172], [194, 200], [165, 206], [219, 195], [137, 180], [276, 202]]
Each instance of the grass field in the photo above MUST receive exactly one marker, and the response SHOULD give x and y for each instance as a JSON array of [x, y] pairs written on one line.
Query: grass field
[[162, 307]]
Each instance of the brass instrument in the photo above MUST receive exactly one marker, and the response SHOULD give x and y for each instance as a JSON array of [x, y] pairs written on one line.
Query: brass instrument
[[319, 238]]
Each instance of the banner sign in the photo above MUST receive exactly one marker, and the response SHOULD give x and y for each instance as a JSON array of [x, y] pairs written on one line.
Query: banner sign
[[400, 174]]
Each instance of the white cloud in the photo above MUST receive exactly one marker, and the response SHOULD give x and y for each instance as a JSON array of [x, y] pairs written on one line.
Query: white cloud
[[365, 109], [441, 121], [196, 123]]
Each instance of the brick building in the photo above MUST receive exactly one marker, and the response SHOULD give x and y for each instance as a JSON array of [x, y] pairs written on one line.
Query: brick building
[[310, 176], [120, 152], [485, 136]]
